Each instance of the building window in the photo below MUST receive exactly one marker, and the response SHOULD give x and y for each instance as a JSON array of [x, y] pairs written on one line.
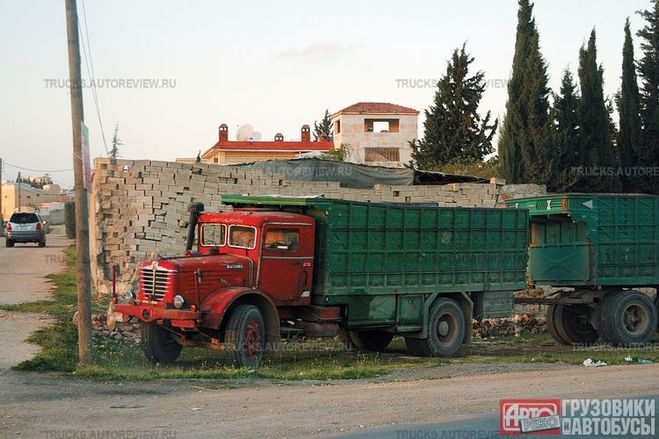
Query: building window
[[381, 125], [381, 154], [337, 127], [216, 160]]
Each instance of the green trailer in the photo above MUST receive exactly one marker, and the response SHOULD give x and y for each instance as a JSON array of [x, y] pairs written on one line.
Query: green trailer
[[601, 247], [390, 266]]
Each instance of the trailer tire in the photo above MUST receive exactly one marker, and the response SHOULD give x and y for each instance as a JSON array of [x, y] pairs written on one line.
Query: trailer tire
[[371, 340], [627, 318], [572, 326], [446, 331], [245, 335], [158, 345], [551, 324]]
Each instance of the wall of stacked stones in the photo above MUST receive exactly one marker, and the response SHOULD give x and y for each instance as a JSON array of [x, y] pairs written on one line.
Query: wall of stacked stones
[[139, 207]]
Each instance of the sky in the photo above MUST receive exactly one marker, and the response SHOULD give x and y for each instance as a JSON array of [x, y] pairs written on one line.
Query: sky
[[170, 72]]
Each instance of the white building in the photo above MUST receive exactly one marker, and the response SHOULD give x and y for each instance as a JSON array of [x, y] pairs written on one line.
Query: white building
[[376, 133]]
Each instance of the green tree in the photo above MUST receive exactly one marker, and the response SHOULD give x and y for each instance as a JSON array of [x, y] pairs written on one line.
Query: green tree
[[629, 111], [648, 70], [339, 154], [198, 159], [594, 120], [453, 129], [324, 128], [116, 142], [525, 145], [567, 143]]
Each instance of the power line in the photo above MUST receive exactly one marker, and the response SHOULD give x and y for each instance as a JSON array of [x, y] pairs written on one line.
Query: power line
[[90, 71], [4, 162]]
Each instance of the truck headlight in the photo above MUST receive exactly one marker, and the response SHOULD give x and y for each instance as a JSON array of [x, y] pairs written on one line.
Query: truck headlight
[[178, 301]]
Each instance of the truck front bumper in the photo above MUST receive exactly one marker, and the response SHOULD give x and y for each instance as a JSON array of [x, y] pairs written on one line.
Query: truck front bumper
[[148, 312]]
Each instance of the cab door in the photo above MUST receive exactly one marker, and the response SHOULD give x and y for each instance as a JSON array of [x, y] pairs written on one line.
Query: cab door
[[287, 263]]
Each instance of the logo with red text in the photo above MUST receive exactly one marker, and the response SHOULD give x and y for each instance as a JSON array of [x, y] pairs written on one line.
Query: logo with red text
[[540, 416]]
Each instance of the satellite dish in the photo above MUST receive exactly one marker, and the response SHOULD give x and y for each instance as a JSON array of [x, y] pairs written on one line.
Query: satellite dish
[[244, 132], [256, 136]]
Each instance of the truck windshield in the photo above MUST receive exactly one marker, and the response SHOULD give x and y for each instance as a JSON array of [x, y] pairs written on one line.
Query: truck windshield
[[213, 235], [242, 236]]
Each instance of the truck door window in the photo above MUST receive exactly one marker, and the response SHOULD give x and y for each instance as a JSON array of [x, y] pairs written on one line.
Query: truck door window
[[242, 236], [213, 235], [281, 240]]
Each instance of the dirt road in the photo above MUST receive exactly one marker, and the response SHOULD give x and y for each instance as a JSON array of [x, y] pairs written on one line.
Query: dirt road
[[51, 405]]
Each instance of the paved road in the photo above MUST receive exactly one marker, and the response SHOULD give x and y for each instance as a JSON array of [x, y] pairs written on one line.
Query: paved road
[[22, 271]]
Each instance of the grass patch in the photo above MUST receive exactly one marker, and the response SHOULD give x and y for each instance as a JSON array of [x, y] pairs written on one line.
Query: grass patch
[[301, 360]]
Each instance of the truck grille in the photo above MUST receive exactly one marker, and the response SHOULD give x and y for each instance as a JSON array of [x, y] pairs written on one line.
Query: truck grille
[[156, 282]]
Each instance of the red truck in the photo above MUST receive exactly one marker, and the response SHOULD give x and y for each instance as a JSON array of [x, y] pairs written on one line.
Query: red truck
[[313, 266]]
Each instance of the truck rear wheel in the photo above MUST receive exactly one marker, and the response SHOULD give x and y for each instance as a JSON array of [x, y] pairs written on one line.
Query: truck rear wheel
[[446, 331], [158, 344], [245, 335], [372, 340], [570, 324], [627, 318]]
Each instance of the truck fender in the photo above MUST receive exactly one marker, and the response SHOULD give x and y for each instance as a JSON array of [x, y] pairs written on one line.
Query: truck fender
[[465, 303], [217, 305]]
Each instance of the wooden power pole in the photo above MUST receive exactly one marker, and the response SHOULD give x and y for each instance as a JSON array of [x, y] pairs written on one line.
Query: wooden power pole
[[83, 272]]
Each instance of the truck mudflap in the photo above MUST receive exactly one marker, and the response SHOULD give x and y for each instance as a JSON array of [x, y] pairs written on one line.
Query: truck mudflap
[[147, 312]]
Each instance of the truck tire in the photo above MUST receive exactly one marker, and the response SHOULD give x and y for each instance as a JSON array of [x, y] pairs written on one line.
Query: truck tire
[[372, 340], [627, 318], [158, 345], [571, 325], [446, 331], [245, 335]]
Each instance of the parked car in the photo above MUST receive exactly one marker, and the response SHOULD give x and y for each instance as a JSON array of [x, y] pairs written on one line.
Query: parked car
[[25, 227]]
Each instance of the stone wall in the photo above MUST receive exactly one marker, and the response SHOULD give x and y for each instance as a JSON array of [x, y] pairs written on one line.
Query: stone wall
[[139, 208]]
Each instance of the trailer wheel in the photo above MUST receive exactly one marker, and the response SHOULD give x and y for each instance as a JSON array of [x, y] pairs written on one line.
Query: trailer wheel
[[570, 325], [245, 335], [446, 331], [158, 345], [627, 318], [373, 340]]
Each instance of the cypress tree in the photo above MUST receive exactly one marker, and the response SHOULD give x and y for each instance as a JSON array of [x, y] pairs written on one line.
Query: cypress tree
[[525, 145], [628, 103], [596, 137], [453, 129], [567, 143], [324, 128], [648, 70]]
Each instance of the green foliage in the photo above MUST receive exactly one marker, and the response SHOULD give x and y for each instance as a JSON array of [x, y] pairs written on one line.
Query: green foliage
[[70, 219], [648, 70], [477, 168], [339, 154], [595, 121], [116, 142], [526, 147], [453, 129], [566, 135], [324, 128]]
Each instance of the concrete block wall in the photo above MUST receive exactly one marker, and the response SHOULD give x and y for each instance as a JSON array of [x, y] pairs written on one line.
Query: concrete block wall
[[139, 207]]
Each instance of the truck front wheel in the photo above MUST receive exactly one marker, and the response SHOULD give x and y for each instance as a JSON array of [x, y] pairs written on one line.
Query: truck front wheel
[[627, 318], [373, 340], [158, 344], [446, 331], [245, 335]]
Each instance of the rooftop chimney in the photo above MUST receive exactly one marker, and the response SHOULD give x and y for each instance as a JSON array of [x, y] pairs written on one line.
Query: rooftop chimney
[[279, 137], [224, 133], [306, 134]]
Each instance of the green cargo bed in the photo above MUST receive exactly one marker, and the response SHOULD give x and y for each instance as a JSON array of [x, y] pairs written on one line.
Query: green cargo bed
[[593, 239], [384, 260]]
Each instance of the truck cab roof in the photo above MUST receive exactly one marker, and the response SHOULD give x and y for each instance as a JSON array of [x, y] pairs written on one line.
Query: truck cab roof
[[255, 217]]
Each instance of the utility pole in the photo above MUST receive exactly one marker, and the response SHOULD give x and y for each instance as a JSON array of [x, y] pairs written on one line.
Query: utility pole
[[2, 223], [83, 273], [18, 182]]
